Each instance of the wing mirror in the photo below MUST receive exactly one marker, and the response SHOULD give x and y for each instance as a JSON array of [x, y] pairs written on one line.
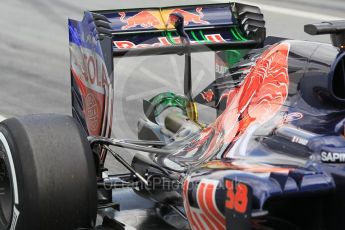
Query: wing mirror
[[335, 28]]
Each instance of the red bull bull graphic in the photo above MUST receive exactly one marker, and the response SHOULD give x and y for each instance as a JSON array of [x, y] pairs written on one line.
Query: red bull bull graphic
[[218, 15], [144, 19], [149, 19]]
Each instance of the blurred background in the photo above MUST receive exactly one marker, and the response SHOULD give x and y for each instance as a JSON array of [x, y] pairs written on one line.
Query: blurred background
[[34, 54]]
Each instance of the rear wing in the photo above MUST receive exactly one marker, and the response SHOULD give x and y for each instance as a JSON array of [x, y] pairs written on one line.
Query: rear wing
[[137, 32], [102, 35]]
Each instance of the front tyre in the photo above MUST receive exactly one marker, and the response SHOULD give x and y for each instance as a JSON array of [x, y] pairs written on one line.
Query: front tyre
[[47, 174]]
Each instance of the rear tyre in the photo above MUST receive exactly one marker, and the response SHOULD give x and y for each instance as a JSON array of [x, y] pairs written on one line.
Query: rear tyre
[[47, 174]]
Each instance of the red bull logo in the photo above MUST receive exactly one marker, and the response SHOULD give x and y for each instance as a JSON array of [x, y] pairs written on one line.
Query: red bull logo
[[144, 19], [153, 19], [191, 17]]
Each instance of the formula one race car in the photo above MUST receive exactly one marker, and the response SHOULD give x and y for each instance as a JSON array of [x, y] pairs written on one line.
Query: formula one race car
[[273, 158]]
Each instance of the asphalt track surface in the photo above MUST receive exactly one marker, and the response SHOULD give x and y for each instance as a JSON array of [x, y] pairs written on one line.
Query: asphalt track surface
[[34, 54]]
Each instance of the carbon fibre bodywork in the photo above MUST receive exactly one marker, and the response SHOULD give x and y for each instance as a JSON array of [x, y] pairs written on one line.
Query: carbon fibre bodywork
[[278, 158], [280, 106]]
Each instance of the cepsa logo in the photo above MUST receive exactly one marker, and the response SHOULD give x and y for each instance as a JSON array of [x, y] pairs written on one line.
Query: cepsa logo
[[90, 69], [163, 41]]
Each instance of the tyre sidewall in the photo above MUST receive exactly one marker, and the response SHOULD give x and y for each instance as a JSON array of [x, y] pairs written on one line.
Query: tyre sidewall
[[17, 180]]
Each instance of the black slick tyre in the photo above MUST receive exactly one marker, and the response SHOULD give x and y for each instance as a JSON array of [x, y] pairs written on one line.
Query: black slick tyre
[[47, 175]]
